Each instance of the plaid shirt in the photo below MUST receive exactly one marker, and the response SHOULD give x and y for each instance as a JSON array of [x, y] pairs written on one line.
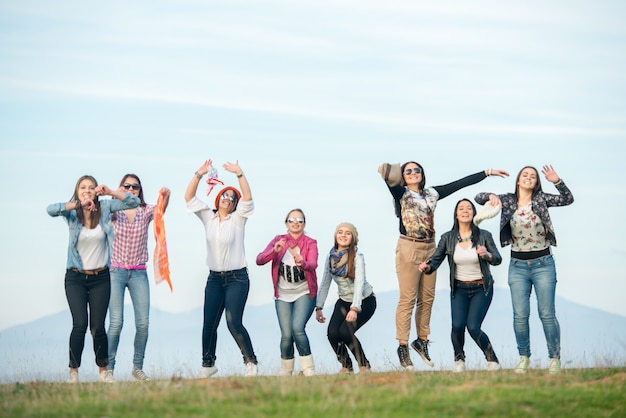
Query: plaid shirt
[[130, 246]]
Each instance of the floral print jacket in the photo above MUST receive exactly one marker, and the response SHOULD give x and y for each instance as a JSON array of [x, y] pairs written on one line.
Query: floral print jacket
[[540, 204]]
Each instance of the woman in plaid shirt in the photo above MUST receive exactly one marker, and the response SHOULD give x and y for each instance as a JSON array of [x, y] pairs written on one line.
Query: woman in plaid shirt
[[128, 270]]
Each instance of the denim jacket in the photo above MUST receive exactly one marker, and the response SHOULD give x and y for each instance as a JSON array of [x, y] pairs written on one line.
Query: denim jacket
[[446, 247], [540, 204], [107, 207]]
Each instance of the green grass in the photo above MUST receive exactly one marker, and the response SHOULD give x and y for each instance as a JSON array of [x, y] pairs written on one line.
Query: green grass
[[574, 393]]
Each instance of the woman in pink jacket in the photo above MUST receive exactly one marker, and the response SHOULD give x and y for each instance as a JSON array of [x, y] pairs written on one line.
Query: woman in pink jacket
[[294, 260]]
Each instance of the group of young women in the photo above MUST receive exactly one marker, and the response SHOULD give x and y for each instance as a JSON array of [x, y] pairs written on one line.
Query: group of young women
[[107, 253]]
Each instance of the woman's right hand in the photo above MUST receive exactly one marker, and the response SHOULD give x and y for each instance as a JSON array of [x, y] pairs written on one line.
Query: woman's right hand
[[319, 316], [204, 168], [423, 267], [495, 200], [279, 245]]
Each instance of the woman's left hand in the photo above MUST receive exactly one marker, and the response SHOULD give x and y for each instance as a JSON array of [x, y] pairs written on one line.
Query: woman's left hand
[[498, 172], [351, 316], [233, 167], [482, 252], [165, 192], [550, 174], [103, 190]]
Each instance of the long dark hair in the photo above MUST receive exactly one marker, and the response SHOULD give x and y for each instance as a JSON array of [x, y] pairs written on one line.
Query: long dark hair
[[140, 196], [94, 215], [455, 226], [537, 187], [421, 184]]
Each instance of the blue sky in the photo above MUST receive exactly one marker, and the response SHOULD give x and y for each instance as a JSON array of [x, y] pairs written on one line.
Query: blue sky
[[310, 98]]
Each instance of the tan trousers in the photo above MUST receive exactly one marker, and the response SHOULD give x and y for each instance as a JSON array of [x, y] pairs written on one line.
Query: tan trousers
[[415, 288]]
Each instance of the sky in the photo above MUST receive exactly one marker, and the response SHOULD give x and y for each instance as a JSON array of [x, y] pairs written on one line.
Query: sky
[[309, 97]]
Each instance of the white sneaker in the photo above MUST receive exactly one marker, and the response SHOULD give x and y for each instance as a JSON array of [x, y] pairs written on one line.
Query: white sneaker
[[73, 377], [555, 366], [207, 372], [493, 365], [106, 376], [459, 366], [138, 374], [522, 366], [251, 369]]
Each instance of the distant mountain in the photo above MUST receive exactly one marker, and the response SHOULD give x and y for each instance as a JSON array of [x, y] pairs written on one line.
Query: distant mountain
[[38, 350]]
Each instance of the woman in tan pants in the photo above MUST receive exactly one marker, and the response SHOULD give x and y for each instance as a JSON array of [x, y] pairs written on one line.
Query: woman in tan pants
[[415, 208]]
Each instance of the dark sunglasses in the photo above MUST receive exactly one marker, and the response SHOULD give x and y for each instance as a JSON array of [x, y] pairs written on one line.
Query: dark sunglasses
[[415, 170], [292, 220], [133, 186]]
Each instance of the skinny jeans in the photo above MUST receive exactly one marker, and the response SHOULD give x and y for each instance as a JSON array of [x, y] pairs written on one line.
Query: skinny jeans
[[292, 320], [136, 280], [226, 291], [469, 305]]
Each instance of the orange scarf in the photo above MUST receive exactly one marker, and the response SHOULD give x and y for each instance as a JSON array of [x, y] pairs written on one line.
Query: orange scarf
[[161, 262]]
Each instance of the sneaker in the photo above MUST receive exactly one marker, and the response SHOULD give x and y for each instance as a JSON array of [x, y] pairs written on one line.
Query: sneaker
[[207, 372], [365, 369], [459, 366], [106, 376], [421, 347], [138, 374], [73, 377], [522, 366], [405, 358], [555, 366], [493, 365], [251, 369]]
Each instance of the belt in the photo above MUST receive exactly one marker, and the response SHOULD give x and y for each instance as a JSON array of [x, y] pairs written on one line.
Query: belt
[[90, 272], [471, 281], [424, 240], [222, 273]]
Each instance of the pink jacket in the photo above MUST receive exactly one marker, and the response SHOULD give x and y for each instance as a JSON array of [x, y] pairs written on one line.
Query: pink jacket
[[308, 250]]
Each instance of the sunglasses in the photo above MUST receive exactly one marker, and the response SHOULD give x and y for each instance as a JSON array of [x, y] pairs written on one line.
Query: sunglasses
[[133, 186], [227, 196], [292, 220], [415, 170]]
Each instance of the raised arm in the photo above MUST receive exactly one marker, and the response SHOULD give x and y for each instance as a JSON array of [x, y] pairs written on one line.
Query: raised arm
[[246, 194], [192, 187]]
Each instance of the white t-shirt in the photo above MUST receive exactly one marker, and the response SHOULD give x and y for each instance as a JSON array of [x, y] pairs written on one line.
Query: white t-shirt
[[467, 266], [92, 248]]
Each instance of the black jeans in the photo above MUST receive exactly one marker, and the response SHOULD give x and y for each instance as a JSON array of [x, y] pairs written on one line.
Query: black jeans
[[88, 292], [469, 308], [341, 333]]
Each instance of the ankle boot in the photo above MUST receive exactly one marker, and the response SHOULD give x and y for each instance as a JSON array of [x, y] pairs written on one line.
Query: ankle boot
[[286, 367], [307, 364]]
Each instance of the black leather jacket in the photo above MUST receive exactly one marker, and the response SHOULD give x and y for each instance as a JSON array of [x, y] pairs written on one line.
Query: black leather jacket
[[446, 247]]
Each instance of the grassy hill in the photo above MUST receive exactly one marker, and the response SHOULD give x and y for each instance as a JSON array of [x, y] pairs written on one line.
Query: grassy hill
[[574, 393]]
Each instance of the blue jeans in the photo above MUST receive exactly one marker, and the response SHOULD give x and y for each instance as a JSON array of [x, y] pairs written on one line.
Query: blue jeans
[[226, 291], [139, 289], [88, 292], [292, 319], [469, 305], [539, 273]]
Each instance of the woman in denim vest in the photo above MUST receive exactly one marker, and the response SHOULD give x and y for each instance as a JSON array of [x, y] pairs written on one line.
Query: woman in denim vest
[[525, 225], [87, 282]]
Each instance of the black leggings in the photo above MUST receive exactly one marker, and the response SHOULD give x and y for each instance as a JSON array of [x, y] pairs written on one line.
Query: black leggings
[[341, 333], [88, 292]]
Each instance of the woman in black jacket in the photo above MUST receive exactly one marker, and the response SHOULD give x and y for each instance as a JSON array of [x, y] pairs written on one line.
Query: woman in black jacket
[[470, 251]]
